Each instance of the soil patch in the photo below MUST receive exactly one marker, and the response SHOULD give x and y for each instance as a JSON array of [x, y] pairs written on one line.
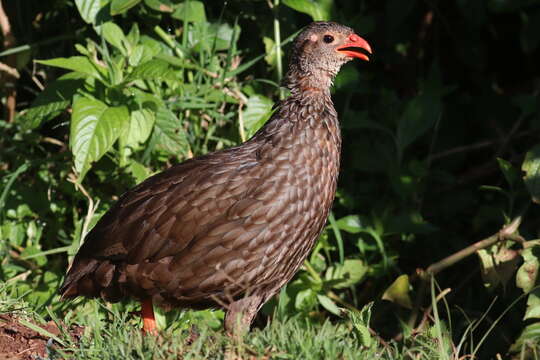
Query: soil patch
[[17, 342]]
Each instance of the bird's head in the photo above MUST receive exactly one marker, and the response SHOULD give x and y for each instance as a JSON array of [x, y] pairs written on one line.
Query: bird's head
[[320, 50]]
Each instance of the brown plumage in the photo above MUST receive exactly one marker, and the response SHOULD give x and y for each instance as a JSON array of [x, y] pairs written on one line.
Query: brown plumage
[[230, 228]]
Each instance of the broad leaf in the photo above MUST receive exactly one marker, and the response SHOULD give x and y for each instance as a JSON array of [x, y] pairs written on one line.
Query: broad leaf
[[138, 171], [140, 127], [311, 8], [55, 98], [499, 265], [208, 37], [190, 11], [341, 276], [360, 321], [88, 9], [153, 69], [169, 134], [258, 110], [114, 36], [423, 111], [121, 6], [94, 129], [533, 306], [399, 292], [329, 304], [527, 339], [350, 224], [510, 174], [419, 116], [160, 5], [527, 274], [305, 300], [75, 63], [531, 167]]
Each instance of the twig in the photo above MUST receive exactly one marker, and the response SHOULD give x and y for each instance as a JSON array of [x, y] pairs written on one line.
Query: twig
[[9, 70], [277, 46], [241, 122], [471, 147], [9, 41], [91, 205], [506, 233], [428, 311]]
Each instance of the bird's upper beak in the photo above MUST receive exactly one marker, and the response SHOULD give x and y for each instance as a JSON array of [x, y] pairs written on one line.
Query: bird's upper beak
[[353, 45]]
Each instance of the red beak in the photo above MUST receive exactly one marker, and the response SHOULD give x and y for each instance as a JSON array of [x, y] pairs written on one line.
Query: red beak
[[352, 47]]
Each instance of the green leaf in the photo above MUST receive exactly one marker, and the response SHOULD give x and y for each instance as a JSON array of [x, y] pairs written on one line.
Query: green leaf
[[208, 37], [341, 276], [258, 110], [121, 6], [498, 265], [75, 63], [50, 102], [305, 300], [88, 9], [533, 306], [510, 174], [423, 111], [140, 127], [153, 69], [399, 292], [311, 8], [360, 321], [94, 129], [270, 51], [527, 274], [528, 338], [114, 36], [138, 171], [169, 134], [136, 55], [190, 11], [160, 5], [350, 224], [419, 116], [531, 167], [329, 304]]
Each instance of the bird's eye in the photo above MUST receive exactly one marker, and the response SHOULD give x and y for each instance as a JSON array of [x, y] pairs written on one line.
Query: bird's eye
[[328, 39]]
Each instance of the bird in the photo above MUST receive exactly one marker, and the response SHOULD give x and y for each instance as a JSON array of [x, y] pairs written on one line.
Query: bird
[[230, 228]]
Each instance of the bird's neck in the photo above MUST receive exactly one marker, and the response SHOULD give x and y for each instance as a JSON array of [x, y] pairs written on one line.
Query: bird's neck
[[303, 112], [302, 82]]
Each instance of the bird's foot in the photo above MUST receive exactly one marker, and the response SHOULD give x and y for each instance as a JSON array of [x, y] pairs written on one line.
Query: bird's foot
[[149, 321]]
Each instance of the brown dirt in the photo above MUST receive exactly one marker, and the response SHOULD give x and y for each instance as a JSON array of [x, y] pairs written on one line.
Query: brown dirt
[[17, 342]]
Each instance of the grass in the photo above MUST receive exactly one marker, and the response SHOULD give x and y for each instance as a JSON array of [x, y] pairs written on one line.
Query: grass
[[91, 329], [111, 332]]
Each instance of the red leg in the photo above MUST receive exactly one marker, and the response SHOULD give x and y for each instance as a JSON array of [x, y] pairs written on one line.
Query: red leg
[[147, 313]]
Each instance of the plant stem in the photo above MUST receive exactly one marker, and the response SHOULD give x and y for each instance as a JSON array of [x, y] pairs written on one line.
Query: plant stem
[[312, 271], [277, 47], [505, 234]]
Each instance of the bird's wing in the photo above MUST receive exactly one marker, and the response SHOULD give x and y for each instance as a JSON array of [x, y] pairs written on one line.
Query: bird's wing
[[181, 226]]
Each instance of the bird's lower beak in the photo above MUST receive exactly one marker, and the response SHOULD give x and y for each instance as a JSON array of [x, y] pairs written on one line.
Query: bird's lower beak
[[354, 46]]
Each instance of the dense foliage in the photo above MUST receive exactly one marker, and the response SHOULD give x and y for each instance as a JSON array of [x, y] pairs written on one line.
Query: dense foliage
[[440, 135]]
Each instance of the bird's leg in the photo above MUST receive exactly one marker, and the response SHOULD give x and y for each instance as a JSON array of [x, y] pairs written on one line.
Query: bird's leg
[[147, 314], [240, 315]]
